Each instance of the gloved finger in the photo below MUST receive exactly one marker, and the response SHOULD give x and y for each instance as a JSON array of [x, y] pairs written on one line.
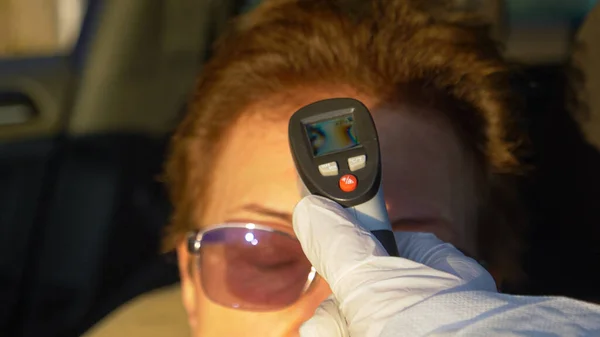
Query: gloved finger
[[427, 249], [331, 239], [370, 285], [327, 321]]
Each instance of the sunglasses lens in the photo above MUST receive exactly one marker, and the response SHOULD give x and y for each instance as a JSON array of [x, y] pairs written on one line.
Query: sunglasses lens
[[252, 269]]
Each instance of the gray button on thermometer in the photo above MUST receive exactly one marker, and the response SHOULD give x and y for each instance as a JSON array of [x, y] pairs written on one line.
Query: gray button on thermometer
[[358, 162], [329, 169], [336, 152]]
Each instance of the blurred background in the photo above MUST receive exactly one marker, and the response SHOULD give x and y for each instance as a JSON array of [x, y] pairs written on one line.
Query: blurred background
[[90, 91]]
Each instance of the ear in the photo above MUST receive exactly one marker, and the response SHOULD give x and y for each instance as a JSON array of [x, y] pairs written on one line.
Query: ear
[[189, 293]]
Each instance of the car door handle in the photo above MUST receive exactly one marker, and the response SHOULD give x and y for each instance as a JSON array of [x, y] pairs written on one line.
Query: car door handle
[[15, 114], [15, 109]]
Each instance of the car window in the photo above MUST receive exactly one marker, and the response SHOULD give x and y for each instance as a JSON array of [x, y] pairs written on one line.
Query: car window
[[534, 10], [39, 27]]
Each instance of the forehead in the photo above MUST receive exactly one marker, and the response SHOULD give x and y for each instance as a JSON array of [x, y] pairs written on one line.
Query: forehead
[[255, 167]]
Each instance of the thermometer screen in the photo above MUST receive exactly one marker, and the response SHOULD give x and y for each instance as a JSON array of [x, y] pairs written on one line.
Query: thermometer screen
[[332, 135]]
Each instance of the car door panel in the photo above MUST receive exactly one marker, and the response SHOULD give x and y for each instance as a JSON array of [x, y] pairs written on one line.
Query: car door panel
[[82, 210]]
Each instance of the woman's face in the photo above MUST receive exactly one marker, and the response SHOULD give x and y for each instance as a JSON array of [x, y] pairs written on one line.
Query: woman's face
[[427, 182]]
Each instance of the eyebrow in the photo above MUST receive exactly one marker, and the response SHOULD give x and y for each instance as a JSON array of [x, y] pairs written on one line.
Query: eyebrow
[[284, 216]]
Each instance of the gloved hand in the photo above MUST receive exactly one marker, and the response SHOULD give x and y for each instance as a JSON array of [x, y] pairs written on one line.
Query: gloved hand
[[369, 287]]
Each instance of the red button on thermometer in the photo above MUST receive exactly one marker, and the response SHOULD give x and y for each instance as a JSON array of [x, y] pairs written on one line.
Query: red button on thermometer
[[336, 152], [348, 183]]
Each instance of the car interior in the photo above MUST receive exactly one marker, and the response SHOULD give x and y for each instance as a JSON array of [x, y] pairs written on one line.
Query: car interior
[[83, 136]]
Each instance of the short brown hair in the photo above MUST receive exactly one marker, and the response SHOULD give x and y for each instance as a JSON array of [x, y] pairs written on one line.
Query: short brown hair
[[382, 48]]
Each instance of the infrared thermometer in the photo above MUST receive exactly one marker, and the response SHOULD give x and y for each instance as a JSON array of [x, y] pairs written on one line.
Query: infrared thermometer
[[336, 152]]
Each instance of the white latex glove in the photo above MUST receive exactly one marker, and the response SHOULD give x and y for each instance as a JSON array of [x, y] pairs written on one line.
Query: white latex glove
[[369, 287]]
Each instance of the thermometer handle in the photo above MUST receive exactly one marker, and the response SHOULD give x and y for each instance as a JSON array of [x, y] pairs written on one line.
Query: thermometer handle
[[372, 216]]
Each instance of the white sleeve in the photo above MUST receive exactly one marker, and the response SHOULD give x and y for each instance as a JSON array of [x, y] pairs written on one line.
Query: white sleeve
[[478, 313]]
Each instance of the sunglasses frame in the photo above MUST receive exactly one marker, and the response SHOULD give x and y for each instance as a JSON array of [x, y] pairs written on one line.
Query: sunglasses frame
[[194, 245]]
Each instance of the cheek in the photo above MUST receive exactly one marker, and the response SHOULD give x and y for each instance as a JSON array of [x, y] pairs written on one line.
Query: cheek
[[216, 320]]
